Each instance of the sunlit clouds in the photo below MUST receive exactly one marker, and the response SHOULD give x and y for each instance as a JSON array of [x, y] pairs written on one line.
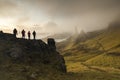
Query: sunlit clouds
[[53, 16]]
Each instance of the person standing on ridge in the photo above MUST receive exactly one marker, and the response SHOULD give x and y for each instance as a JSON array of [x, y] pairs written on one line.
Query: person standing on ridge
[[34, 34], [29, 34], [23, 33], [15, 32]]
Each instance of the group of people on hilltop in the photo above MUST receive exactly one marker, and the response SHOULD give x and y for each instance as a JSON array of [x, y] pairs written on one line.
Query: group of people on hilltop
[[23, 32]]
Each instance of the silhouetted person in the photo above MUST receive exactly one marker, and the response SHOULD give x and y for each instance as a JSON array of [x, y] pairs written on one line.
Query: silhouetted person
[[29, 34], [15, 32], [23, 33], [34, 34], [1, 31]]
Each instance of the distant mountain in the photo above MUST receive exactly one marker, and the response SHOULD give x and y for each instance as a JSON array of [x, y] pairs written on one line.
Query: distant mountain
[[74, 39]]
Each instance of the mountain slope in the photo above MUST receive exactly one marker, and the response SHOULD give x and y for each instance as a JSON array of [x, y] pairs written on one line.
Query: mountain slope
[[110, 42], [100, 51]]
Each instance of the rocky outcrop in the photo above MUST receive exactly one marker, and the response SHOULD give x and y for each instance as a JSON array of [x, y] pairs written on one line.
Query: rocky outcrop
[[32, 52], [6, 36], [51, 43]]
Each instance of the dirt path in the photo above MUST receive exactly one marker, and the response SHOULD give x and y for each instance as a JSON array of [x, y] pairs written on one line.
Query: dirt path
[[102, 69]]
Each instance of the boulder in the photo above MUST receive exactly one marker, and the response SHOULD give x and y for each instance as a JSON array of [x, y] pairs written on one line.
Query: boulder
[[51, 43]]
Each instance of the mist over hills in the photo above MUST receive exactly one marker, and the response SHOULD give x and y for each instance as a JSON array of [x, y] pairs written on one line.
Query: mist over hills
[[73, 40], [97, 50]]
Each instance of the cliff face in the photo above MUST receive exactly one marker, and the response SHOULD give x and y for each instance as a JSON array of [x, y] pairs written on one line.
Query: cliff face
[[29, 55]]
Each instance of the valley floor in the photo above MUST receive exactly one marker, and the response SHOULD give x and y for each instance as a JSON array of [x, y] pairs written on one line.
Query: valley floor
[[81, 66], [80, 71]]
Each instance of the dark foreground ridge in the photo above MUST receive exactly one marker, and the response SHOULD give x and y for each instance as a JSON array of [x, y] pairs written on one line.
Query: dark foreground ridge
[[16, 51]]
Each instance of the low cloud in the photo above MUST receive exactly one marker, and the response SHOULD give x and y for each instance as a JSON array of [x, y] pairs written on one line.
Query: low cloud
[[51, 27], [7, 8]]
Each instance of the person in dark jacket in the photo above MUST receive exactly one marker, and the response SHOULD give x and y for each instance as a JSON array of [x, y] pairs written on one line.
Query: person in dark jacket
[[23, 33], [29, 35], [34, 35], [15, 32]]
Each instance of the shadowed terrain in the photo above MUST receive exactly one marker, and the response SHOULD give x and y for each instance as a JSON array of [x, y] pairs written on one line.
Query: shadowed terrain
[[22, 59]]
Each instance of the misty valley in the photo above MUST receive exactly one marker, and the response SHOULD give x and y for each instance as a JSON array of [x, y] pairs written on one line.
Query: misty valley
[[59, 39]]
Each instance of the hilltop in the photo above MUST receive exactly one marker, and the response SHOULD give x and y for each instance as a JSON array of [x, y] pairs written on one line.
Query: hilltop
[[22, 59]]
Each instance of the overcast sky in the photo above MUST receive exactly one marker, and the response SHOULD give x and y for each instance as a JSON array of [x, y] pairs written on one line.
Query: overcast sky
[[58, 15]]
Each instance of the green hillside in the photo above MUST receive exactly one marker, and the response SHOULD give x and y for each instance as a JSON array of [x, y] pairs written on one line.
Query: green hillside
[[99, 53], [110, 45]]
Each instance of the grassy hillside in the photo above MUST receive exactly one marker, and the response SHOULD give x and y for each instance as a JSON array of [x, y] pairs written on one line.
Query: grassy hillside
[[110, 57], [97, 54]]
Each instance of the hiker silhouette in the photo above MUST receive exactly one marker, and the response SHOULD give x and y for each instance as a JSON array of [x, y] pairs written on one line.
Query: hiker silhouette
[[1, 31], [34, 34], [15, 32], [29, 34], [23, 33]]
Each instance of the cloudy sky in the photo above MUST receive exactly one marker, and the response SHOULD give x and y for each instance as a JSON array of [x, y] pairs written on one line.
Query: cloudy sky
[[57, 15]]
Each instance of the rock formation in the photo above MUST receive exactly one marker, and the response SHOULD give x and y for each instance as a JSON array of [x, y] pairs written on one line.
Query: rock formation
[[29, 52]]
